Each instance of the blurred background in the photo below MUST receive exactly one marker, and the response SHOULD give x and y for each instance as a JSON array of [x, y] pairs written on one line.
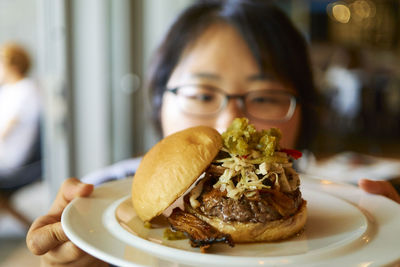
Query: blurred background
[[89, 59]]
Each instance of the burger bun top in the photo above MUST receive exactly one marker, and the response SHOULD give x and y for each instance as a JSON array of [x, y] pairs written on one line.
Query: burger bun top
[[170, 167]]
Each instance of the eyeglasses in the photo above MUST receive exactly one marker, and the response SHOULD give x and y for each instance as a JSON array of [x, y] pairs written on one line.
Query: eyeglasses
[[207, 101]]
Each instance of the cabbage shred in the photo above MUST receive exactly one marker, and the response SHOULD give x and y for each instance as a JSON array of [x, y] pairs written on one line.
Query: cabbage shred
[[253, 158]]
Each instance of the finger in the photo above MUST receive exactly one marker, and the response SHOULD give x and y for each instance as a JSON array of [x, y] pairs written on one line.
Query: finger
[[380, 188], [70, 189], [66, 252], [42, 239], [46, 232], [84, 260]]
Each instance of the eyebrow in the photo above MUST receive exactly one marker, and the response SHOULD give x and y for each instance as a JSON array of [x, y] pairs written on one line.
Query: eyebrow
[[261, 77], [255, 77], [206, 75]]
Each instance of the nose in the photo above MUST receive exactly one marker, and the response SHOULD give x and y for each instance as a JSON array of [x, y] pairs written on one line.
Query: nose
[[233, 109]]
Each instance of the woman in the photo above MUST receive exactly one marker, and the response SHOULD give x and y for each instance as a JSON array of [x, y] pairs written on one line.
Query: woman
[[19, 108], [220, 60]]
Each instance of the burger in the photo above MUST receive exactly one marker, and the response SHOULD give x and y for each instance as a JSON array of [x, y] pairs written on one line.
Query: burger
[[237, 187]]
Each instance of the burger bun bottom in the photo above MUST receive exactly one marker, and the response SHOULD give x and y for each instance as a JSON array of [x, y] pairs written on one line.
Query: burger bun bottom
[[246, 232]]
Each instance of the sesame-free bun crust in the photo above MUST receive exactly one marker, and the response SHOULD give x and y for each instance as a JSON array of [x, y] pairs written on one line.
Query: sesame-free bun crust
[[245, 232], [170, 167]]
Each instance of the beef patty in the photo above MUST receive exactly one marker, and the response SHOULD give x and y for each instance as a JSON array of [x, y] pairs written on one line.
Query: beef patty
[[266, 205]]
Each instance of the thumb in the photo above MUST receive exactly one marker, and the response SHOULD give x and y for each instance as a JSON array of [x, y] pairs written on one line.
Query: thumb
[[70, 189], [383, 188]]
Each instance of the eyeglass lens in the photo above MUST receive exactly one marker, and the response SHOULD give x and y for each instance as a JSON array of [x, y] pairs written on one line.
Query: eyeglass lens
[[263, 104]]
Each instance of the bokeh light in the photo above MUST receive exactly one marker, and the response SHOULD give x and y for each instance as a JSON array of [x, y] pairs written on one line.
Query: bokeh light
[[340, 12]]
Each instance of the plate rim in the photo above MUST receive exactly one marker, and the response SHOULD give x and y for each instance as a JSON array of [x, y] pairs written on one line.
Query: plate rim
[[114, 227], [305, 181]]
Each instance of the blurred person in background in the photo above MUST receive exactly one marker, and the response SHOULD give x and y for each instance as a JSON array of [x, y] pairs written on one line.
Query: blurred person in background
[[19, 108], [346, 78], [219, 60]]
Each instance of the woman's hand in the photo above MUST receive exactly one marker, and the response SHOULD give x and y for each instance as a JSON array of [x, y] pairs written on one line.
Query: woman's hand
[[380, 188], [47, 238]]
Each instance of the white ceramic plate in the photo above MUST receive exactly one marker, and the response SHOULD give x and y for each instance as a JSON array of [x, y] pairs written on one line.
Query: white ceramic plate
[[345, 226]]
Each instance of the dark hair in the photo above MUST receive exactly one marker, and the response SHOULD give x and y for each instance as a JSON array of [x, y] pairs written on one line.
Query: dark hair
[[270, 35]]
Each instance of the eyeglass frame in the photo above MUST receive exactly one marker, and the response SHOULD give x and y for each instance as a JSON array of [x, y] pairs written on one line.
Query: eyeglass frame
[[293, 101]]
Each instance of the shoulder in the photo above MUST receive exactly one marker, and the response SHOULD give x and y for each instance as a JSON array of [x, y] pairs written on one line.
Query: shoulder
[[115, 171], [22, 90]]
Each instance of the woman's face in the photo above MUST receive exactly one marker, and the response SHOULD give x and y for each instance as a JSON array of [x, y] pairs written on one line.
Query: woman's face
[[220, 59]]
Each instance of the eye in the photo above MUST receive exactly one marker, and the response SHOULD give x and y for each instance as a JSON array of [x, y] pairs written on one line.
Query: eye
[[204, 97], [260, 99], [265, 100], [200, 94]]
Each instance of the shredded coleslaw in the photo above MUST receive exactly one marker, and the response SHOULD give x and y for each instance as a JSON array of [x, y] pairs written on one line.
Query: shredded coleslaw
[[253, 158]]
